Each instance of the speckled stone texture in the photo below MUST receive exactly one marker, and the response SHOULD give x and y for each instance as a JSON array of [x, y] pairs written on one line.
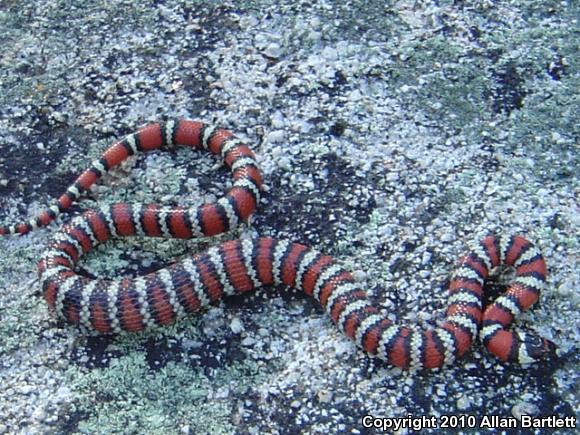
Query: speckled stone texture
[[390, 134]]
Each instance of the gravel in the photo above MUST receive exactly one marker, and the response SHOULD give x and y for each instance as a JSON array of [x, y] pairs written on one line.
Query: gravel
[[389, 133]]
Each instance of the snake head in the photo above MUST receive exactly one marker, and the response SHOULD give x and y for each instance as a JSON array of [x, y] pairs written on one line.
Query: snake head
[[540, 348]]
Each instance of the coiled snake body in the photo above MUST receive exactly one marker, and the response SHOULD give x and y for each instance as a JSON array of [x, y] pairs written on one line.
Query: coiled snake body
[[133, 304]]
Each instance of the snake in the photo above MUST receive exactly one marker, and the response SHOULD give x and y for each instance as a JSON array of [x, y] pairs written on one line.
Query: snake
[[111, 306]]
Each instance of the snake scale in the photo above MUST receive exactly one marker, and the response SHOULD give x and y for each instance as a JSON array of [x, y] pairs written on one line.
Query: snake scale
[[132, 304]]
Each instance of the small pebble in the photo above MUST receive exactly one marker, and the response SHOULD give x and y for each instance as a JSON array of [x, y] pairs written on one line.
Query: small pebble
[[463, 403], [525, 408], [324, 396], [273, 51], [276, 136], [236, 325]]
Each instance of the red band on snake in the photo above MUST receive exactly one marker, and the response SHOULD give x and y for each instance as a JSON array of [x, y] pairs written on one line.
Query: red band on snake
[[133, 304]]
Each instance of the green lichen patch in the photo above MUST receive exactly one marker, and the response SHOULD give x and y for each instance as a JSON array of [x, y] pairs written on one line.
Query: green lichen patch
[[22, 310], [128, 397]]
